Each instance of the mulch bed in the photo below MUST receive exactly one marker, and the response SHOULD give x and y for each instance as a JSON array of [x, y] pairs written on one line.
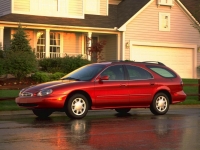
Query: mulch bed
[[14, 84]]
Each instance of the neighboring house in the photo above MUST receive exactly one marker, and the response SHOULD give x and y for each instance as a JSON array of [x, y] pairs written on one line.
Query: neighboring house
[[140, 30]]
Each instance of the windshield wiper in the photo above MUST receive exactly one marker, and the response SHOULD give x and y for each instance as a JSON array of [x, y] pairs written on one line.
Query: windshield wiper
[[70, 78]]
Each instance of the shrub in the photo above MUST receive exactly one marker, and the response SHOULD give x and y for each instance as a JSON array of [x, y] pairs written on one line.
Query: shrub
[[40, 77], [71, 63], [20, 59], [45, 77], [51, 65], [65, 64], [56, 76], [20, 63]]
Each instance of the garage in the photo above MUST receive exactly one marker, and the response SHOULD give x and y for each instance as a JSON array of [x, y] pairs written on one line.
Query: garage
[[179, 59]]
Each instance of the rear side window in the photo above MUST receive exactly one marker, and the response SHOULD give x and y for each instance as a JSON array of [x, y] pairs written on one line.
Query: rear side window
[[164, 72], [136, 73]]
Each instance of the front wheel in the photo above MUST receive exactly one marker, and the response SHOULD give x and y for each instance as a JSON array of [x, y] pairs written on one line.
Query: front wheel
[[42, 113], [77, 106], [160, 104]]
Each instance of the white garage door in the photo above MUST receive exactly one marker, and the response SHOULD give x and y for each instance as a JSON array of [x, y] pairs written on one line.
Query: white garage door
[[179, 59]]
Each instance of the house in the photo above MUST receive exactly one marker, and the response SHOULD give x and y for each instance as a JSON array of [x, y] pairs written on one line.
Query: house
[[139, 30]]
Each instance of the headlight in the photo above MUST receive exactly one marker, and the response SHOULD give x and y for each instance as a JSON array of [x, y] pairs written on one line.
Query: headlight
[[44, 92]]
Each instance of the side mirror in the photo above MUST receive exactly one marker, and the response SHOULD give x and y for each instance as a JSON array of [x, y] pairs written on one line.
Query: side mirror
[[101, 78], [104, 78]]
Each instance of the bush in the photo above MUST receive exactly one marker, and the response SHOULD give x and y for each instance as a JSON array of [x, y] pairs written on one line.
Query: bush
[[40, 77], [50, 65], [20, 59], [70, 63], [45, 77], [56, 76], [20, 63], [65, 64]]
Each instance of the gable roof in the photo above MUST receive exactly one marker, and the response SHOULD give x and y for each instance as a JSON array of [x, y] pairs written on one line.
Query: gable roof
[[128, 8], [193, 6]]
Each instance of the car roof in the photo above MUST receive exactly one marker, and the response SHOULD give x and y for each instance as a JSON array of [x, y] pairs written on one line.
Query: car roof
[[131, 62]]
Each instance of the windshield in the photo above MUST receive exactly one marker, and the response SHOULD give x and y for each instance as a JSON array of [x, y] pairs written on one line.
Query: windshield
[[84, 73]]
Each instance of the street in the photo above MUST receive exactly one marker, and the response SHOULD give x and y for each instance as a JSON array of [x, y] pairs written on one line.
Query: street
[[179, 129]]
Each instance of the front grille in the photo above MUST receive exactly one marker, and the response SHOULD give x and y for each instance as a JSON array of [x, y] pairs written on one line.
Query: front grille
[[27, 104], [26, 94]]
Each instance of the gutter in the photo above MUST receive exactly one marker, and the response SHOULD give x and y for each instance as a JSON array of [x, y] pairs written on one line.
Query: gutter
[[72, 28]]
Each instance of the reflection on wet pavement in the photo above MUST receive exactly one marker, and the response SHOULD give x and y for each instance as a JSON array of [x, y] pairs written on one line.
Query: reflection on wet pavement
[[178, 130]]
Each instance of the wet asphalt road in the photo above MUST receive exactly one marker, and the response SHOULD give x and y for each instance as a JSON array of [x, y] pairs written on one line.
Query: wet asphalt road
[[179, 129]]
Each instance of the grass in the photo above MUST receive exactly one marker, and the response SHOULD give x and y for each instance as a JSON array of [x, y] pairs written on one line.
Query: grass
[[11, 105]]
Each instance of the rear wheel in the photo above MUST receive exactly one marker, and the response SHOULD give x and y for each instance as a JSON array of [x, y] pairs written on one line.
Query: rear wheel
[[42, 113], [160, 104], [122, 110], [77, 106]]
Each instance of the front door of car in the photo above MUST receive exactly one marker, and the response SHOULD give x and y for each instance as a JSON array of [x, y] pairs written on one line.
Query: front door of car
[[141, 85], [112, 92]]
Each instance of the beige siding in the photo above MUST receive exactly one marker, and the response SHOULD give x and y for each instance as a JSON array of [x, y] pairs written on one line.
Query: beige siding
[[110, 50], [21, 5], [5, 7], [103, 7], [145, 27], [72, 43], [76, 8]]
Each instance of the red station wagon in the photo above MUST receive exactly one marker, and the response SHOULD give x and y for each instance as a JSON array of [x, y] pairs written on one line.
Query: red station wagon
[[118, 85]]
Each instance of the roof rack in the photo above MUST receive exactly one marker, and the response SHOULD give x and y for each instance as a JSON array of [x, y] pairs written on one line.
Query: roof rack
[[155, 62], [132, 61]]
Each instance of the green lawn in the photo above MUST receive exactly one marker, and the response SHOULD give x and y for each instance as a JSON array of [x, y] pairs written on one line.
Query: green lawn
[[11, 105]]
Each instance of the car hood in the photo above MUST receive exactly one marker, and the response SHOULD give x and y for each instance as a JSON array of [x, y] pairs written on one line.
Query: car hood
[[51, 84]]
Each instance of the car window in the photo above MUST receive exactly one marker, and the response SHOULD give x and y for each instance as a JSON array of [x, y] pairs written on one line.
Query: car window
[[164, 72], [137, 73], [114, 72], [84, 73]]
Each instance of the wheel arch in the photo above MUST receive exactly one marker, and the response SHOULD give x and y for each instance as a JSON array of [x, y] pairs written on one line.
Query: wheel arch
[[79, 92], [167, 93]]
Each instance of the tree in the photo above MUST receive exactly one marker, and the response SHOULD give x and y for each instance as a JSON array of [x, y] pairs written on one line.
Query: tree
[[20, 41], [20, 59], [96, 50]]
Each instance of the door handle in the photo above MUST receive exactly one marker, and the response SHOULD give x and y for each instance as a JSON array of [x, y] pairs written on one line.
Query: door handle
[[123, 85], [152, 83]]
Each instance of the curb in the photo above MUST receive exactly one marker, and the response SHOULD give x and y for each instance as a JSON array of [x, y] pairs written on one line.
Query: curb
[[29, 112]]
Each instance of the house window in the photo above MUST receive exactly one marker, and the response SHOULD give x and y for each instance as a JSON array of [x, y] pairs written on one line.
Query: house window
[[54, 44], [92, 7], [164, 21], [40, 51], [165, 2]]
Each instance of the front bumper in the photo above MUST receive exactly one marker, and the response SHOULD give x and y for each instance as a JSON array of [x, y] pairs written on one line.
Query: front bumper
[[53, 102]]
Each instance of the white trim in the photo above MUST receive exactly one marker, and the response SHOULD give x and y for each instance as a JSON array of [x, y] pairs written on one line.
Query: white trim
[[188, 12], [60, 27], [107, 7], [1, 37], [123, 27], [47, 42], [174, 45], [123, 46], [167, 18]]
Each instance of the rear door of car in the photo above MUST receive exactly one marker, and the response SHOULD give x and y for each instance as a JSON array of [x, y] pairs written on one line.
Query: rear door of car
[[141, 85], [112, 92]]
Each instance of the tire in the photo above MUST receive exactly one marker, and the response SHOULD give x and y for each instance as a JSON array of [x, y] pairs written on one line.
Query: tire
[[42, 113], [122, 110], [160, 104], [77, 106]]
